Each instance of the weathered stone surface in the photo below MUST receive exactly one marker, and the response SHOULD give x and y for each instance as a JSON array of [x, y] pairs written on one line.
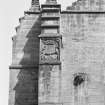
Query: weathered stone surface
[[83, 52], [88, 5], [49, 50], [49, 83], [24, 69], [23, 87], [26, 42], [79, 77]]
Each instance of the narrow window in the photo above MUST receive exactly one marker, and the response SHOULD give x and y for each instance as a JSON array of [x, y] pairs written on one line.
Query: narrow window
[[78, 80], [80, 89]]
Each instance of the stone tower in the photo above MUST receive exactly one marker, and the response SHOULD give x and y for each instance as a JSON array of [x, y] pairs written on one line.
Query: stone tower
[[59, 56]]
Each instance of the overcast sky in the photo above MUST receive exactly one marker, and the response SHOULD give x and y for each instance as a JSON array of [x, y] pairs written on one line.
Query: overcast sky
[[10, 11]]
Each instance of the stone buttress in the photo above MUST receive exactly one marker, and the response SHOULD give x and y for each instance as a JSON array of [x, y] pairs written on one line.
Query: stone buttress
[[49, 63], [25, 59]]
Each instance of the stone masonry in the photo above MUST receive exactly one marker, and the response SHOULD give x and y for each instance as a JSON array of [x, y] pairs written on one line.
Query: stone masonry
[[58, 57]]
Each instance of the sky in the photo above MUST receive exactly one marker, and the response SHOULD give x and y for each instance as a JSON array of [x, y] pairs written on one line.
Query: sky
[[10, 12]]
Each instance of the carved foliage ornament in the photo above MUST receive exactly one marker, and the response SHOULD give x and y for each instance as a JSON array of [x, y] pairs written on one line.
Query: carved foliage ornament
[[49, 50]]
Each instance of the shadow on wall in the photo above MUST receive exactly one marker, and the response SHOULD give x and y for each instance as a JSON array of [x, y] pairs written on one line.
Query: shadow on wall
[[26, 89]]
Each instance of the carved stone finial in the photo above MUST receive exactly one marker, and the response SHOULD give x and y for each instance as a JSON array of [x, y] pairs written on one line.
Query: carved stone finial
[[35, 2], [35, 6]]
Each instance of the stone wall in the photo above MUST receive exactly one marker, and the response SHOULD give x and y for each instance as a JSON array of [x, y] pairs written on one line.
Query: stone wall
[[83, 38], [49, 84], [23, 87], [26, 42], [24, 69], [77, 74]]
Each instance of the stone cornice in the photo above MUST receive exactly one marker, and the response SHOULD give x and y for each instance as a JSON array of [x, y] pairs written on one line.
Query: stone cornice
[[31, 12], [82, 12], [50, 35], [23, 67], [50, 63]]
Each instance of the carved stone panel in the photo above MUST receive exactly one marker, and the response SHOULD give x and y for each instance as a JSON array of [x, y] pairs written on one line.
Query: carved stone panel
[[49, 50]]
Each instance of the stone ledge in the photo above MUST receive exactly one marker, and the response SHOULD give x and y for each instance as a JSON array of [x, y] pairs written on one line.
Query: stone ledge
[[48, 5], [47, 103], [50, 63], [43, 17], [82, 12], [50, 35], [30, 12], [23, 66]]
